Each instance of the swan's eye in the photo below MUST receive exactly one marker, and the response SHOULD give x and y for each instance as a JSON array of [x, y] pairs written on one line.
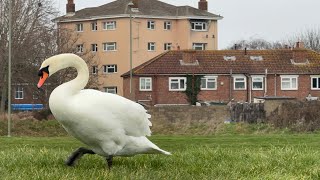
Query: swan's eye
[[45, 69]]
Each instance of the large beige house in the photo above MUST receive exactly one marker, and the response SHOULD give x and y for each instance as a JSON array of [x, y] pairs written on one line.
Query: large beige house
[[155, 27]]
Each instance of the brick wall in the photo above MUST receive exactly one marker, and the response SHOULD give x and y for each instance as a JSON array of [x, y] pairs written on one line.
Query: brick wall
[[187, 119], [160, 93]]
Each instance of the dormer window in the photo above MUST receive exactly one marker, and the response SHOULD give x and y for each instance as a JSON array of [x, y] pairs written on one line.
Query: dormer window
[[299, 62], [199, 25], [229, 58], [256, 58]]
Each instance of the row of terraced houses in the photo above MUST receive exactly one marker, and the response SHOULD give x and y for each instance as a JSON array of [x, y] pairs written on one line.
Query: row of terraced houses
[[170, 42]]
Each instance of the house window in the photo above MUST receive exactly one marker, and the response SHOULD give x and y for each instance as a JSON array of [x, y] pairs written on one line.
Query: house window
[[315, 82], [239, 83], [167, 25], [151, 46], [19, 93], [177, 83], [94, 47], [167, 46], [79, 27], [110, 46], [94, 26], [289, 82], [80, 48], [94, 69], [257, 82], [109, 25], [199, 26], [145, 84], [209, 83], [199, 46], [110, 68], [151, 25], [112, 90]]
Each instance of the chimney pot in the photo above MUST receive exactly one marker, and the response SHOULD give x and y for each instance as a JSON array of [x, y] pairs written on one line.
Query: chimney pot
[[70, 7], [203, 5]]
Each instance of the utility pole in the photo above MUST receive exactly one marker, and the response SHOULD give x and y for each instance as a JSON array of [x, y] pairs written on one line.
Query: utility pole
[[9, 68]]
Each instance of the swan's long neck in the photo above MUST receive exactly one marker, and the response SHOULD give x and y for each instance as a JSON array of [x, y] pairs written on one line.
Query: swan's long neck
[[82, 78]]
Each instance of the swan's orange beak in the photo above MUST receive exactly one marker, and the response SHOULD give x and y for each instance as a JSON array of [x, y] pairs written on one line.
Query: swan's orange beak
[[42, 79]]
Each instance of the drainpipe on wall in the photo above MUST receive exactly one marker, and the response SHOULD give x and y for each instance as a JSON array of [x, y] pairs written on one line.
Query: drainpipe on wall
[[265, 82], [275, 84], [250, 88], [230, 89]]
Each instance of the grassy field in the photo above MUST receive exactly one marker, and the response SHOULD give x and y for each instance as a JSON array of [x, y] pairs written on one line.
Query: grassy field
[[286, 156]]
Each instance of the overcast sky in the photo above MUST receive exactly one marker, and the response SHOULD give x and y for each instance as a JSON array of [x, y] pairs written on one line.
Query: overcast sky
[[246, 19]]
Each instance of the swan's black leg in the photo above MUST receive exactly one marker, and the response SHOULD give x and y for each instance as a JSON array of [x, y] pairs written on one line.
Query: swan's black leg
[[109, 161], [77, 155]]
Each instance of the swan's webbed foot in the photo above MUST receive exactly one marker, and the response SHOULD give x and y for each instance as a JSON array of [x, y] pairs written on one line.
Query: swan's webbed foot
[[109, 161], [77, 155]]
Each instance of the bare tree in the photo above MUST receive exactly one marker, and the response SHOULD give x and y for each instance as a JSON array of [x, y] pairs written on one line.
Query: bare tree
[[32, 35], [310, 38]]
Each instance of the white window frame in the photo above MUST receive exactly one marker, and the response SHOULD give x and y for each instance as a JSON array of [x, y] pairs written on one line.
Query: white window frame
[[94, 47], [151, 46], [239, 81], [199, 46], [109, 25], [290, 77], [94, 26], [106, 68], [318, 82], [112, 45], [167, 25], [143, 83], [79, 48], [79, 27], [151, 25], [112, 90], [209, 79], [203, 26], [19, 93], [167, 46], [95, 69], [179, 84], [257, 78]]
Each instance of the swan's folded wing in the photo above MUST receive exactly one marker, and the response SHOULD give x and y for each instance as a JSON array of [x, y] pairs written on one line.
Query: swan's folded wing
[[130, 116]]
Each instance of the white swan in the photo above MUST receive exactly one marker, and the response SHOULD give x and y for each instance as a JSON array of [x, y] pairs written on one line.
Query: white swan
[[109, 124]]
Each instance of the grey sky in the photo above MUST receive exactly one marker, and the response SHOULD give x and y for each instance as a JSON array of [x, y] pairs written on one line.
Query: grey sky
[[244, 19]]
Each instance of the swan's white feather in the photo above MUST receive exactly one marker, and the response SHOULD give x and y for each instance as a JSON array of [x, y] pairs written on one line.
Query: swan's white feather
[[116, 110]]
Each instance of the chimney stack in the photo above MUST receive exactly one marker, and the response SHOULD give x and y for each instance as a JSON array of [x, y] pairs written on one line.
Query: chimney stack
[[189, 57], [299, 45], [203, 5], [70, 7]]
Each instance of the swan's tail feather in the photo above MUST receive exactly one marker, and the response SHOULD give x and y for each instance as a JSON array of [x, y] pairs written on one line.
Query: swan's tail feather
[[160, 151]]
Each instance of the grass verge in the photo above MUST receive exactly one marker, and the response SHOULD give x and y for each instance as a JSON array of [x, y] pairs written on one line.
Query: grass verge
[[285, 156]]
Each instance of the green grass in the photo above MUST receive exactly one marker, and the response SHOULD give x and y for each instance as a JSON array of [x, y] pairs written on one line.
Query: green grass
[[287, 156]]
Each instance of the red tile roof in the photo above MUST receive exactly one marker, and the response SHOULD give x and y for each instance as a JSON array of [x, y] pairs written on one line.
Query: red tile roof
[[213, 62]]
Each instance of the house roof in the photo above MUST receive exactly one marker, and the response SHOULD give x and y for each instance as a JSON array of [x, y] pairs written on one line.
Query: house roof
[[146, 8], [281, 61]]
